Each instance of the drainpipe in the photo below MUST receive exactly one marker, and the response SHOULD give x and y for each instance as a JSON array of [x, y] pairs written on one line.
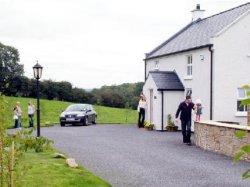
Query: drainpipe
[[211, 83], [162, 110], [145, 70]]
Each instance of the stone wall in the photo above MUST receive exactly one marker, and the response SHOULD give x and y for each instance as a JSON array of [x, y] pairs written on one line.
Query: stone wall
[[220, 137]]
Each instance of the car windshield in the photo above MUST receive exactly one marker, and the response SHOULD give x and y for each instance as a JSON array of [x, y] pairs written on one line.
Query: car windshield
[[76, 108]]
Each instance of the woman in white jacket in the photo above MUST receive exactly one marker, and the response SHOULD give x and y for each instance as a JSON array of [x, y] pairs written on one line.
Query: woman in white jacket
[[141, 109], [31, 111]]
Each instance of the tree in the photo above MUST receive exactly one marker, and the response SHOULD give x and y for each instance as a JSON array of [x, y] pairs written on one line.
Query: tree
[[112, 99], [91, 98], [19, 86], [65, 91], [9, 67], [50, 89], [128, 92], [79, 95]]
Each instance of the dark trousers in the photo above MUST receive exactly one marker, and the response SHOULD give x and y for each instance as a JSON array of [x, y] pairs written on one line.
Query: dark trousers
[[16, 125], [186, 131], [141, 117], [31, 121], [19, 121]]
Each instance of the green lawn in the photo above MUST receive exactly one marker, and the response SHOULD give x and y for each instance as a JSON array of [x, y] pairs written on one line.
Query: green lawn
[[41, 169], [50, 111]]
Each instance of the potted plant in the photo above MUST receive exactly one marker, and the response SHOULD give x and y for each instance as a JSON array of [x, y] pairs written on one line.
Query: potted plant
[[149, 126], [170, 124]]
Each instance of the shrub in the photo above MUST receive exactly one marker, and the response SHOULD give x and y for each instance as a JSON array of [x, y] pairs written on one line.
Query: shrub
[[170, 122], [244, 150], [8, 154], [27, 141], [148, 125]]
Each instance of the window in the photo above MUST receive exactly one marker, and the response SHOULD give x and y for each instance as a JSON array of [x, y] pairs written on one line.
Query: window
[[242, 94], [188, 91], [202, 57], [157, 65], [189, 65]]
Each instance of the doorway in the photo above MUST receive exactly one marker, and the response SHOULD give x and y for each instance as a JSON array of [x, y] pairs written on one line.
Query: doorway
[[151, 105]]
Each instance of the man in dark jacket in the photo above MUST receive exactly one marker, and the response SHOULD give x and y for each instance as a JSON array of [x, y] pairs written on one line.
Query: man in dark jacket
[[185, 108]]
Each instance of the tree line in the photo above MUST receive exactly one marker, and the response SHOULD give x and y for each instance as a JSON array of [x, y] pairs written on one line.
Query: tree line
[[14, 83]]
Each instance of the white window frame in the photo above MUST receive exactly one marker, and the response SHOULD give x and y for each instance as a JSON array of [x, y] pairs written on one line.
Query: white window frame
[[202, 57], [239, 99], [189, 67], [156, 65]]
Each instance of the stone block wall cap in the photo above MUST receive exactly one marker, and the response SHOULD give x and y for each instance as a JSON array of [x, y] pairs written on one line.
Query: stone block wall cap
[[215, 123]]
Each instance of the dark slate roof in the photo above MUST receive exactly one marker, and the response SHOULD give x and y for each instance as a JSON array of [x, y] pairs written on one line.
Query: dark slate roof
[[167, 80], [198, 33]]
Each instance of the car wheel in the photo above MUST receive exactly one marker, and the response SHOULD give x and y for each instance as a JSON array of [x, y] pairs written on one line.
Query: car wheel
[[86, 121], [94, 120], [62, 124]]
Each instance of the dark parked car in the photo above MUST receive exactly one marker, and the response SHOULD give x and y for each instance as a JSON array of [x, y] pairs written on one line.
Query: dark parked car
[[82, 114]]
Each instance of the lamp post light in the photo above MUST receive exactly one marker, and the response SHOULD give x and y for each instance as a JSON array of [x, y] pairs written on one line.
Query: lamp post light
[[37, 70]]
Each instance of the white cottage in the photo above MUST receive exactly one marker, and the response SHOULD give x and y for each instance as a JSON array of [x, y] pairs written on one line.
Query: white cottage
[[209, 59]]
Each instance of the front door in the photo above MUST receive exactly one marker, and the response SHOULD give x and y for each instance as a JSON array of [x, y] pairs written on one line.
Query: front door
[[151, 105]]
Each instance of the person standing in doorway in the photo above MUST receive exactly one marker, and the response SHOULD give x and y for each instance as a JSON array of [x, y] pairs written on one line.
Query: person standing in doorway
[[185, 108], [19, 114], [31, 111], [141, 109]]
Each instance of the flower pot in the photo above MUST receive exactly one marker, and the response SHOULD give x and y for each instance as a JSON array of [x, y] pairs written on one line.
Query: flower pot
[[171, 128], [149, 128]]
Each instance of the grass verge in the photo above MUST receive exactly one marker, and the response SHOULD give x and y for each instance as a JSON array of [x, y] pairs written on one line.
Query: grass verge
[[41, 169], [50, 111]]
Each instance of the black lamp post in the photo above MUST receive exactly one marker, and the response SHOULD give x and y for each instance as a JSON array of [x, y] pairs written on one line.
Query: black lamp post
[[37, 70]]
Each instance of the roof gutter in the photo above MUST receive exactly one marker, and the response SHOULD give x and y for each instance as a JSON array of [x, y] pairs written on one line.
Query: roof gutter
[[211, 82], [177, 52], [160, 89]]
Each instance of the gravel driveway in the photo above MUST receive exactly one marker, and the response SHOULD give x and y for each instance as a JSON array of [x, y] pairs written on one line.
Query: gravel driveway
[[124, 155]]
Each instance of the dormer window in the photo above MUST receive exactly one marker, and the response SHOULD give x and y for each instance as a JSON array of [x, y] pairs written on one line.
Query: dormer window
[[189, 65]]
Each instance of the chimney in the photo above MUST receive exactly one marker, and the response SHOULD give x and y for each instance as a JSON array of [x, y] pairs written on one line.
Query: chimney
[[197, 13]]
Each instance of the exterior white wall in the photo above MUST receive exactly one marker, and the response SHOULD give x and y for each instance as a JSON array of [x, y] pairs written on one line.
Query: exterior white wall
[[231, 69], [172, 100], [200, 82], [150, 84]]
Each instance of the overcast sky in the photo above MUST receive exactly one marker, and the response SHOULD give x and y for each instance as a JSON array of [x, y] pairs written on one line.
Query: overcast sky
[[91, 43]]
